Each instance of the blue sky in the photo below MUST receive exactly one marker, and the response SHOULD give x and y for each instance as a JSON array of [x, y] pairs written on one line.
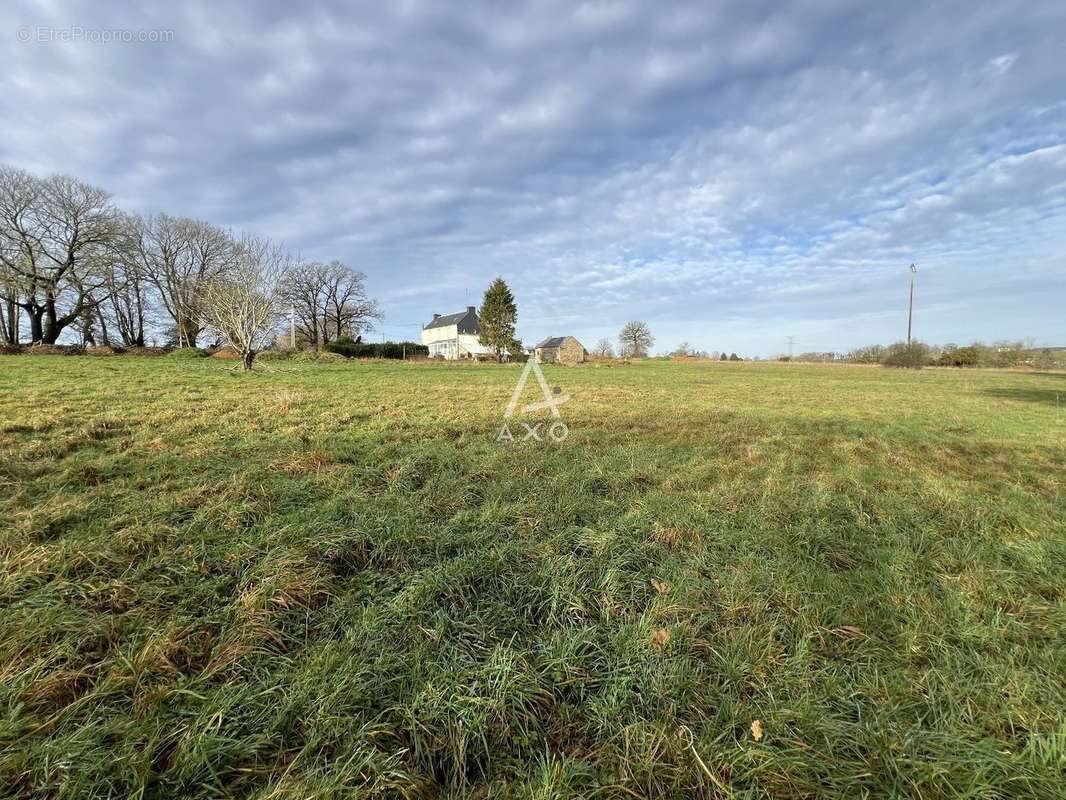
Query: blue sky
[[731, 175]]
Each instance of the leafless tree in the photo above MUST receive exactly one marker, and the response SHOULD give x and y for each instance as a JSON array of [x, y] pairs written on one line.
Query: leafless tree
[[9, 310], [56, 236], [603, 348], [126, 289], [20, 194], [348, 309], [176, 256], [635, 340], [244, 304], [329, 301], [304, 291]]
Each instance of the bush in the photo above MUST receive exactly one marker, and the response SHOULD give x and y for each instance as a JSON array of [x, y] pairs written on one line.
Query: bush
[[350, 349], [959, 357], [907, 356], [274, 355]]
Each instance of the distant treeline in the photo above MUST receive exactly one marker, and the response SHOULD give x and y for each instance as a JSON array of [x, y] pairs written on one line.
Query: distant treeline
[[919, 354]]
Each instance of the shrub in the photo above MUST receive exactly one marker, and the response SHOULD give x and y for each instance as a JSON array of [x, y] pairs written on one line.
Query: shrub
[[275, 355], [902, 355], [960, 357]]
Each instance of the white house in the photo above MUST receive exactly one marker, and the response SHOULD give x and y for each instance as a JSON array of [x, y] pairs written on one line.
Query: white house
[[454, 336]]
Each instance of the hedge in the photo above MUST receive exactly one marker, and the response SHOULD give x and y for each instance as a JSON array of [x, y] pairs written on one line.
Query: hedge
[[352, 349]]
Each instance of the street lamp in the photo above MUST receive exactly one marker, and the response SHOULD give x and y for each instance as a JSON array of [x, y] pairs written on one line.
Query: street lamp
[[910, 309]]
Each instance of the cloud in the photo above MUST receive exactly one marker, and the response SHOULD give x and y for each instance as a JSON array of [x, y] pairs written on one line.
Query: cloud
[[726, 174]]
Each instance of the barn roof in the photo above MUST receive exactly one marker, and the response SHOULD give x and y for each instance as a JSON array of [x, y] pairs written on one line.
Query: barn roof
[[553, 341]]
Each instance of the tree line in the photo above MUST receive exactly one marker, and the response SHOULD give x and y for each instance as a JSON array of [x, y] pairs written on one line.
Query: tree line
[[920, 354], [74, 264]]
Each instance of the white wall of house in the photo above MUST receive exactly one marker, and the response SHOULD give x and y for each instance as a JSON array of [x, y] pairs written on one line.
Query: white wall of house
[[447, 342], [445, 333]]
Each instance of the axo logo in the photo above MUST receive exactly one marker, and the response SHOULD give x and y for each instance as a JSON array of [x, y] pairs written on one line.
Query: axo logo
[[535, 431]]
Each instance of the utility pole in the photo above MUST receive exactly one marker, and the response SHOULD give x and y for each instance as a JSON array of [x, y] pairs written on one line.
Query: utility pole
[[790, 340], [292, 325], [910, 308]]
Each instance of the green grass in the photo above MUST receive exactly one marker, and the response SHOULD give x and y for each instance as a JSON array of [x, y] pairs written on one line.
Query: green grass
[[331, 580]]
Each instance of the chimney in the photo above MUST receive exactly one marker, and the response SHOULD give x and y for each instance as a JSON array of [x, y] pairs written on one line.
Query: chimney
[[436, 317], [471, 309]]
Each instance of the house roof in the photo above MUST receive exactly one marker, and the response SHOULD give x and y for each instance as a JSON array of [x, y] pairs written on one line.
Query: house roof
[[466, 321], [552, 341]]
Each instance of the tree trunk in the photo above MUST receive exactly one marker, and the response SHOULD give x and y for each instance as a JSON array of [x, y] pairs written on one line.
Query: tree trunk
[[11, 322], [138, 339], [104, 339], [189, 334], [36, 329], [246, 361], [51, 322]]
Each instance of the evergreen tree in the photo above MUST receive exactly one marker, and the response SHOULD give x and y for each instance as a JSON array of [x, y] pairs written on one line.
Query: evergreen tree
[[497, 319]]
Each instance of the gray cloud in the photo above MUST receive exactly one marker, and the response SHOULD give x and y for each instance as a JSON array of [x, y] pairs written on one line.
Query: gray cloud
[[730, 175]]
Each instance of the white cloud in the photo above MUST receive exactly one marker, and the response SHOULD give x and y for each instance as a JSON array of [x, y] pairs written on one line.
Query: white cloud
[[721, 173]]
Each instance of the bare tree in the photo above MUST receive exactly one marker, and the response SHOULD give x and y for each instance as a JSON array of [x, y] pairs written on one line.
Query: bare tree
[[177, 255], [9, 310], [348, 309], [20, 194], [127, 302], [244, 305], [603, 348], [56, 236], [329, 301], [304, 291], [635, 340]]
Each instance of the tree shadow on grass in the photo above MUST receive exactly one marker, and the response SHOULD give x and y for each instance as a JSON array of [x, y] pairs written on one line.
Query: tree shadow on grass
[[1050, 397]]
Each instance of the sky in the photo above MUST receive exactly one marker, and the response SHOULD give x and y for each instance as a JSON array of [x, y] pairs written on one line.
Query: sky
[[731, 174]]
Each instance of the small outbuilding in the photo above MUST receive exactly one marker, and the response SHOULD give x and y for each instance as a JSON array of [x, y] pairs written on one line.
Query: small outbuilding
[[560, 350]]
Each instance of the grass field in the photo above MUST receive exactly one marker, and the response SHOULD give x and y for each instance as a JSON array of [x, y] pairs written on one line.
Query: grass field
[[734, 580]]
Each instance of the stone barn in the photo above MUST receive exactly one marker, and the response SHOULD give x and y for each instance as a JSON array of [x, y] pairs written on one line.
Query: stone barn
[[559, 350]]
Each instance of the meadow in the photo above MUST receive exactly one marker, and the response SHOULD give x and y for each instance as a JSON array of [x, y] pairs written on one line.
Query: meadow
[[330, 579]]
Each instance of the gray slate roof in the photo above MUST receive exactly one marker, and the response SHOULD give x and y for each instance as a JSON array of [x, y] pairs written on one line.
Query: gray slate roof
[[466, 321], [552, 341]]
